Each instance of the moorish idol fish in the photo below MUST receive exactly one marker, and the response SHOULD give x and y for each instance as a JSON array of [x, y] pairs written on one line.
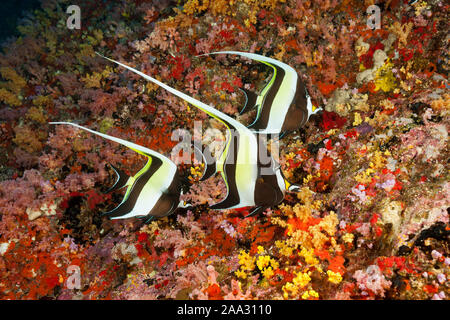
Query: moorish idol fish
[[283, 105], [249, 182], [153, 192]]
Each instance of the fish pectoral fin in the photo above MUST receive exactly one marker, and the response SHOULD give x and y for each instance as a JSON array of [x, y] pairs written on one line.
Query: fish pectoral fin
[[122, 179], [208, 160], [255, 211], [250, 100]]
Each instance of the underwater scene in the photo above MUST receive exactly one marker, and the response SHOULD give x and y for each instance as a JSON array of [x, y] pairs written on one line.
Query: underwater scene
[[224, 150]]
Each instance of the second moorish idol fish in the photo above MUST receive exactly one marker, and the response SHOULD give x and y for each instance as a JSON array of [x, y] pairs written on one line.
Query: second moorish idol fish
[[283, 105], [249, 182], [153, 192]]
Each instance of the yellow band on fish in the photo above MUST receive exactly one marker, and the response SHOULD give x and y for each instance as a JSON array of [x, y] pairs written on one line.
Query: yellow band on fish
[[287, 183]]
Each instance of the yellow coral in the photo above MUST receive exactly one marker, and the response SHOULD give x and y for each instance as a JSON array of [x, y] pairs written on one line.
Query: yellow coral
[[348, 237], [9, 98], [246, 261], [299, 282], [284, 248], [384, 78], [308, 255], [377, 161], [94, 80], [310, 294], [28, 139], [302, 212], [401, 31], [268, 272], [263, 262], [441, 104], [334, 277], [10, 89], [36, 114], [15, 82], [43, 101], [196, 172], [358, 120], [329, 223], [241, 274]]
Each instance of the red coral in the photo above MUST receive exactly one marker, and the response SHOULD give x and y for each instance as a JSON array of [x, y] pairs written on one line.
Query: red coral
[[337, 264], [331, 120], [214, 292], [326, 88], [179, 65], [367, 58]]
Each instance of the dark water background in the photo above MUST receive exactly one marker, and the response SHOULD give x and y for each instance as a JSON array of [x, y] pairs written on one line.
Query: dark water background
[[10, 13]]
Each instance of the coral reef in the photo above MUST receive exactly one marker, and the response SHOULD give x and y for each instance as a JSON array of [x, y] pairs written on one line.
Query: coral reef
[[370, 221]]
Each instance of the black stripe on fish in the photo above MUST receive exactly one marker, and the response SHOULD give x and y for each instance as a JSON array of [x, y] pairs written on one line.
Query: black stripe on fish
[[168, 201], [128, 204], [262, 119], [229, 168], [297, 114], [267, 190]]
